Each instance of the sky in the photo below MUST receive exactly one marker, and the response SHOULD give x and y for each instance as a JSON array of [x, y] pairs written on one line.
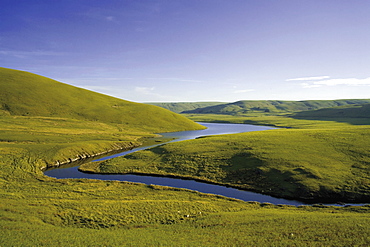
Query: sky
[[193, 50]]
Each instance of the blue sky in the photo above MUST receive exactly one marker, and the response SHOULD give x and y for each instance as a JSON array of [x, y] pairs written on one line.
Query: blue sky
[[193, 50]]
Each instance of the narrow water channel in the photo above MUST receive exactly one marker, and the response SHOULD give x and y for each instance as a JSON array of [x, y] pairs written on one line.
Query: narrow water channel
[[212, 129]]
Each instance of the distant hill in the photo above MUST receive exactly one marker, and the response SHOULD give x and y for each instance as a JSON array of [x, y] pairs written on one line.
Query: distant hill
[[346, 111], [27, 94], [185, 106], [275, 106]]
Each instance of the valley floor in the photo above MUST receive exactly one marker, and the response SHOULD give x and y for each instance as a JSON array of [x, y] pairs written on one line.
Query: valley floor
[[36, 210]]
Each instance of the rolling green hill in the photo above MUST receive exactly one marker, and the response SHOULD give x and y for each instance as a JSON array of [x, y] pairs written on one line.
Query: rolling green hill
[[27, 94], [346, 111], [275, 106], [179, 107]]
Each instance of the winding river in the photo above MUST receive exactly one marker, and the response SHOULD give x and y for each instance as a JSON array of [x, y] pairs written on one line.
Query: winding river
[[212, 129]]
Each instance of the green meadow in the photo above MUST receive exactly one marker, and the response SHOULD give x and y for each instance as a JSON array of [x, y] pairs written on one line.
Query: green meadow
[[44, 123], [38, 210]]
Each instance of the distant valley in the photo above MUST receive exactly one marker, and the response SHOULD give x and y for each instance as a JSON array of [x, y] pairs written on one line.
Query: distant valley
[[339, 107]]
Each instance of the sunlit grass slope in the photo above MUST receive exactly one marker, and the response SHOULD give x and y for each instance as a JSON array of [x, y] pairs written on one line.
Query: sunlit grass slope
[[26, 94], [32, 143], [44, 122]]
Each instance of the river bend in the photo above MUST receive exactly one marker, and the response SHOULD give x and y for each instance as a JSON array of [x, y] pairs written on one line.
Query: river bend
[[212, 129]]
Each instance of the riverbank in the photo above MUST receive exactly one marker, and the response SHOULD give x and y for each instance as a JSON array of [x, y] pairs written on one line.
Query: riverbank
[[313, 166], [84, 156]]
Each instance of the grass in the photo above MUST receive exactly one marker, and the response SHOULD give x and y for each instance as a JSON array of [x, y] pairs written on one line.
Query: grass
[[48, 212], [48, 140], [248, 225], [36, 210], [26, 94], [321, 161]]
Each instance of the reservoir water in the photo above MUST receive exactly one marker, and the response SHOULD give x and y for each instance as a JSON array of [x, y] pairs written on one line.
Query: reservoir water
[[212, 129]]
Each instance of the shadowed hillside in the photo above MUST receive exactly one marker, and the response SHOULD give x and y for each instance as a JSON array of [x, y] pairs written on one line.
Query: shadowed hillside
[[27, 94], [275, 106], [347, 111], [179, 107]]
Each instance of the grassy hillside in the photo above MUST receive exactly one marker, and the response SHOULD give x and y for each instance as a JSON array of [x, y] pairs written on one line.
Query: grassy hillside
[[26, 94], [280, 120], [47, 122], [274, 106], [346, 111], [180, 107]]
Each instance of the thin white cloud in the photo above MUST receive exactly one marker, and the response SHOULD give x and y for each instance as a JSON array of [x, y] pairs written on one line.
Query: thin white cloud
[[95, 79], [187, 80], [319, 81], [244, 91], [307, 85], [23, 54], [313, 78], [148, 94], [144, 90], [101, 14], [173, 79], [97, 88], [344, 81]]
